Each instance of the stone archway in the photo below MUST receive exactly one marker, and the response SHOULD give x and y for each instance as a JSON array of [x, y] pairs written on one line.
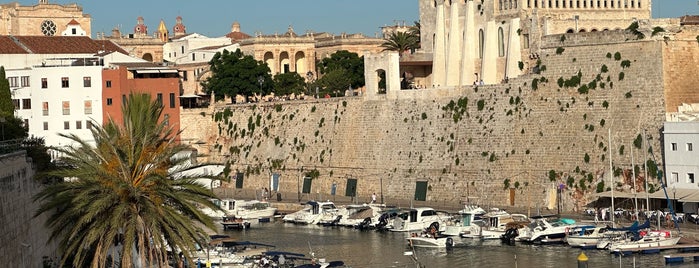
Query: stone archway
[[269, 59], [382, 74], [301, 64], [284, 63], [148, 57]]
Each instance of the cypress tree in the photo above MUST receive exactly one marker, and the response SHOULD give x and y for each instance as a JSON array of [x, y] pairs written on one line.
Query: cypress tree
[[7, 109]]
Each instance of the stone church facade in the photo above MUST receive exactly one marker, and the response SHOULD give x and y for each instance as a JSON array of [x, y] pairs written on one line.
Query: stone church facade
[[464, 41], [43, 18]]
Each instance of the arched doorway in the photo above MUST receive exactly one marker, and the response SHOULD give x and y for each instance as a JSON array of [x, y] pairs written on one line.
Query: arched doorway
[[269, 59], [148, 57], [284, 63], [301, 66], [381, 81]]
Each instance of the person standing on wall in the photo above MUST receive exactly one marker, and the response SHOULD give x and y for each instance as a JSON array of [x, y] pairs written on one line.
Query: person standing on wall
[[373, 198]]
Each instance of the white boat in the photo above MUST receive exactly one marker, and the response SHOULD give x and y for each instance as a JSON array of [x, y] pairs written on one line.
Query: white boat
[[546, 230], [467, 223], [495, 223], [418, 219], [426, 241], [589, 236], [356, 215], [311, 214], [652, 239], [247, 209]]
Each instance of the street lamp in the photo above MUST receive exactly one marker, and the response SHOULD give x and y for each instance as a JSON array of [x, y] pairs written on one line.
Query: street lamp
[[309, 80], [260, 80]]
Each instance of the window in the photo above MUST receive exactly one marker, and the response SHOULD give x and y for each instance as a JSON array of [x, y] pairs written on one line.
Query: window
[[675, 177], [166, 119], [160, 99], [673, 146], [65, 82], [87, 81], [26, 123], [109, 101], [172, 100], [66, 125], [108, 83], [689, 147], [690, 177], [66, 108], [74, 31], [480, 43], [14, 81], [26, 104], [184, 75], [182, 48], [16, 103], [45, 108], [46, 125], [501, 42], [25, 81], [123, 99], [78, 124], [194, 56], [525, 38], [44, 83], [88, 107], [88, 124]]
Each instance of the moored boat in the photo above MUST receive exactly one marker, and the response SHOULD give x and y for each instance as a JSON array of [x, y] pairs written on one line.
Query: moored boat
[[418, 219]]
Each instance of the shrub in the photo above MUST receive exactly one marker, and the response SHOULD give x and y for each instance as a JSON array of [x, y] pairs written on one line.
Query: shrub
[[560, 50], [617, 56]]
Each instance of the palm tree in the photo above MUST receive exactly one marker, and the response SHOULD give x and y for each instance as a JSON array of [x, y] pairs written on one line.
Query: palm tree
[[400, 41], [415, 30], [123, 203]]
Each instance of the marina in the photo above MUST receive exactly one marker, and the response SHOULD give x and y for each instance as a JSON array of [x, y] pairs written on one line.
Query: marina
[[387, 249]]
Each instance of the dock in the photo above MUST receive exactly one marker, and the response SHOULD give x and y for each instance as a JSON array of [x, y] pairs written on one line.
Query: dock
[[680, 257]]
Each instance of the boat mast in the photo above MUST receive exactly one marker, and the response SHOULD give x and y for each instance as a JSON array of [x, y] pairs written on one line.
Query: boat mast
[[633, 174], [645, 168], [611, 174]]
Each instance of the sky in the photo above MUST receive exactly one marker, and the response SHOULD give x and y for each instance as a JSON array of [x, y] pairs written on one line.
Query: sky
[[213, 18]]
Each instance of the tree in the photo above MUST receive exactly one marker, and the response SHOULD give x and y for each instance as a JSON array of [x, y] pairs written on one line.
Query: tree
[[288, 83], [350, 62], [7, 109], [126, 202], [334, 81], [233, 73], [400, 42], [415, 30]]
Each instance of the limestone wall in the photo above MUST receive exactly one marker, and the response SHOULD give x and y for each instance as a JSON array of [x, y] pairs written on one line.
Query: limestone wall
[[23, 239], [465, 142]]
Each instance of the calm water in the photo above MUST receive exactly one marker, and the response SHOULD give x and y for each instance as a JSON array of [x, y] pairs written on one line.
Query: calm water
[[385, 249]]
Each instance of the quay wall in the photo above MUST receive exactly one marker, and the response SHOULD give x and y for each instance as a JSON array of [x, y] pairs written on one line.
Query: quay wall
[[23, 238], [505, 144]]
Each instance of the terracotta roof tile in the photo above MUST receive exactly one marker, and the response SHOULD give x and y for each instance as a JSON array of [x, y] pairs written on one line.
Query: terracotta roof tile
[[74, 22], [67, 45], [237, 36], [8, 46]]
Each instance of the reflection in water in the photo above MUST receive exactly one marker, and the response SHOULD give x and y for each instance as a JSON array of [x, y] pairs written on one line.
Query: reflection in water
[[386, 249]]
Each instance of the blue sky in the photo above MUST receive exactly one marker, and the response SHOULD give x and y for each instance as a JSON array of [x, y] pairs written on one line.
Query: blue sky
[[214, 18]]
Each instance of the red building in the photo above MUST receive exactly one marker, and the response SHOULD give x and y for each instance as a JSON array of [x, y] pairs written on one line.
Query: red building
[[162, 83]]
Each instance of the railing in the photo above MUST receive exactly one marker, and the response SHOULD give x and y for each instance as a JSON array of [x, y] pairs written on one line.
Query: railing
[[10, 146]]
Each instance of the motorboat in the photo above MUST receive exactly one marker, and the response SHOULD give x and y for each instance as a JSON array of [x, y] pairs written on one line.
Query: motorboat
[[588, 236], [356, 215], [418, 219], [546, 230], [651, 239], [312, 213], [467, 223], [431, 237], [234, 223], [247, 209], [225, 251], [495, 223]]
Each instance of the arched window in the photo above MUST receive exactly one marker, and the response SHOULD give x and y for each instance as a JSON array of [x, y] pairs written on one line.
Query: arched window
[[501, 42], [480, 43]]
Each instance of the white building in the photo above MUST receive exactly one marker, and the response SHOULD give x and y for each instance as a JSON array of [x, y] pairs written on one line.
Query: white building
[[60, 96], [681, 157], [179, 50]]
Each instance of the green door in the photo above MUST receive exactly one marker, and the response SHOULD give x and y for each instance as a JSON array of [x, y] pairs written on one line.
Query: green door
[[351, 189], [421, 191], [239, 180], [306, 185]]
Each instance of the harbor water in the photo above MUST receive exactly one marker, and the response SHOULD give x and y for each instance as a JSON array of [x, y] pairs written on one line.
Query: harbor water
[[387, 249]]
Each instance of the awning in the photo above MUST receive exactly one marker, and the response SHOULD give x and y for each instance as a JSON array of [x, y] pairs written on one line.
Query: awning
[[682, 195], [190, 96], [156, 71]]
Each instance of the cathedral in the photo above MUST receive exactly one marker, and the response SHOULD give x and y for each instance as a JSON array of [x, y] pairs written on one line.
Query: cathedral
[[44, 19], [486, 41]]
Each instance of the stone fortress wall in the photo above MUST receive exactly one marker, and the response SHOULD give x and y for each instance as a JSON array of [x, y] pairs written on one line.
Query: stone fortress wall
[[530, 135], [24, 237]]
